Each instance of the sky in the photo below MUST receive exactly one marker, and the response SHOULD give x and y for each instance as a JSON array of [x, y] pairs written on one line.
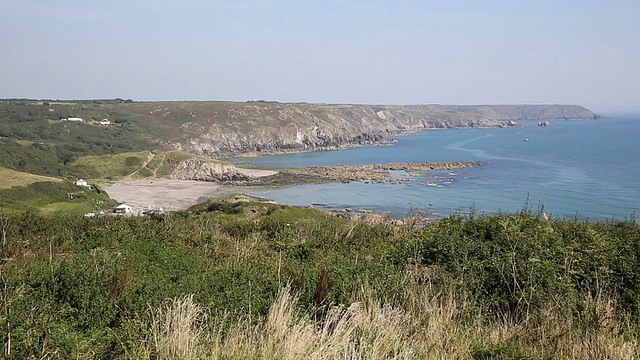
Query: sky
[[583, 52]]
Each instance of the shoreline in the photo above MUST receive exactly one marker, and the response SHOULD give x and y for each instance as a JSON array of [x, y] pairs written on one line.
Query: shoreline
[[173, 195], [346, 146], [505, 124]]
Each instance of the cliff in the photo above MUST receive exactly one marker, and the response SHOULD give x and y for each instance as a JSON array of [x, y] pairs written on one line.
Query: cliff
[[231, 128], [201, 170]]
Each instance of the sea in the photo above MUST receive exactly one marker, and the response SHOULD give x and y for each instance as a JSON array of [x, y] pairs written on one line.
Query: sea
[[587, 169]]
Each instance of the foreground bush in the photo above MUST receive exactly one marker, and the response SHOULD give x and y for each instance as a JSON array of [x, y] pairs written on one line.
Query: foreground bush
[[501, 286]]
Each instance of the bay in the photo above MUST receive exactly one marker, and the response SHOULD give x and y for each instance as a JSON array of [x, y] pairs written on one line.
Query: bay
[[584, 168]]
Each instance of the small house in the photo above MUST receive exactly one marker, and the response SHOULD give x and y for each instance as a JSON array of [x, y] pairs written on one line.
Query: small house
[[123, 209], [82, 182]]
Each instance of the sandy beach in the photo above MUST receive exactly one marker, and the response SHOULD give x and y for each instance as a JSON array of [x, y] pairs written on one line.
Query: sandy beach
[[173, 194], [165, 193]]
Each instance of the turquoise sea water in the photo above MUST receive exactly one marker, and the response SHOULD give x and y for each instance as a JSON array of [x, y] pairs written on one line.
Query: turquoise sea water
[[588, 168]]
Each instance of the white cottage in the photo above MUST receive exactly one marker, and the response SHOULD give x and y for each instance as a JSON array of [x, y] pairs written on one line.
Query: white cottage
[[123, 209], [82, 182]]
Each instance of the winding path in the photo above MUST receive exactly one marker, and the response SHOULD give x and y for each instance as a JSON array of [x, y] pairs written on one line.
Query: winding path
[[149, 158]]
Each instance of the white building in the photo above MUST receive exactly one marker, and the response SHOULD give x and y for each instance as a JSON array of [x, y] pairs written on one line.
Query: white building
[[75, 119], [123, 209], [105, 122], [82, 182]]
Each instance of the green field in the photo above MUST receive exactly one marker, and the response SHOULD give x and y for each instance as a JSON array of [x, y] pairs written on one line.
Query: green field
[[11, 178], [68, 207], [109, 167]]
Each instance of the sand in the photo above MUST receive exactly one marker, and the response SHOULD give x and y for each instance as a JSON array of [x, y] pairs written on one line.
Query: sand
[[165, 193], [256, 172], [173, 194]]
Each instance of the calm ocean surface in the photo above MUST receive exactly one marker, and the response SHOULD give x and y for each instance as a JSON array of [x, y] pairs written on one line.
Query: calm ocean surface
[[588, 168]]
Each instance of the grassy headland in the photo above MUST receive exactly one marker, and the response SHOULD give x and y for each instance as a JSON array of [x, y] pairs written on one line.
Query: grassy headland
[[262, 281], [217, 128]]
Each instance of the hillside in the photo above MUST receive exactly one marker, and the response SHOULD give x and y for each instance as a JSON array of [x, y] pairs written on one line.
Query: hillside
[[11, 178], [21, 191], [229, 128], [220, 129], [52, 196]]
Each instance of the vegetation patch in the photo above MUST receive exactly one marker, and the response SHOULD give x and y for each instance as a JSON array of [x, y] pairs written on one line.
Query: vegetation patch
[[11, 178], [293, 283], [53, 197], [136, 165], [109, 167]]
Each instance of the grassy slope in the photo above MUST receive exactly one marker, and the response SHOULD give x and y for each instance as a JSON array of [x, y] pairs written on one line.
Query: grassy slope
[[137, 165], [33, 138], [52, 197], [11, 178], [109, 167]]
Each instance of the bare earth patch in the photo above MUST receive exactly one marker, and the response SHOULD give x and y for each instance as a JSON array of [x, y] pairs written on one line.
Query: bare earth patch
[[165, 193]]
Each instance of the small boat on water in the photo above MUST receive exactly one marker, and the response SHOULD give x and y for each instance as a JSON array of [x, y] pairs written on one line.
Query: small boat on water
[[526, 139]]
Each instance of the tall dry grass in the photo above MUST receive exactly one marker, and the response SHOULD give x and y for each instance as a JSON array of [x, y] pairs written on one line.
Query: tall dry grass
[[177, 330], [426, 325]]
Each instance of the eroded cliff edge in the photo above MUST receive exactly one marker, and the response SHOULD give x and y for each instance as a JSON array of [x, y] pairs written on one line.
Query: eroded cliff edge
[[232, 128]]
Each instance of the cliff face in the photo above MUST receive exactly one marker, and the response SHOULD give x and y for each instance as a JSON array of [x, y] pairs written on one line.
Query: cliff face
[[259, 127], [228, 128], [200, 170]]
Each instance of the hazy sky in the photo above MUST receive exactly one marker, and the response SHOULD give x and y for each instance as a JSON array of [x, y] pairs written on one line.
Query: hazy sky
[[583, 52]]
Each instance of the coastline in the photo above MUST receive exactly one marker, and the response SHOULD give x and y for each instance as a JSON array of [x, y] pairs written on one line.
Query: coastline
[[265, 178], [385, 141], [504, 124], [174, 195]]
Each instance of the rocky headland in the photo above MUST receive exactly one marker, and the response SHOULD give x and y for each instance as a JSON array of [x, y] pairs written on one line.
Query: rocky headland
[[202, 170], [226, 129]]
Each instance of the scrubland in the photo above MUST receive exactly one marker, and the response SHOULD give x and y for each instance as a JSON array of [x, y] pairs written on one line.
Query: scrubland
[[264, 281]]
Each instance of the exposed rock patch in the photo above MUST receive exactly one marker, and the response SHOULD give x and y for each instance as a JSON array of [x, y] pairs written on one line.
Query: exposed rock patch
[[348, 173], [201, 170], [376, 173]]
